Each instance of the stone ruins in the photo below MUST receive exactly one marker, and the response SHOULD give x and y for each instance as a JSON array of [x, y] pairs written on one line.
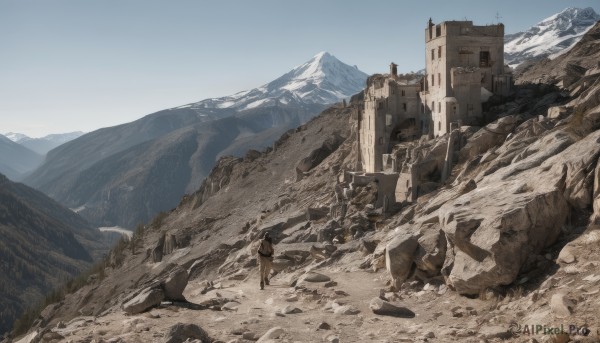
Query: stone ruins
[[464, 68]]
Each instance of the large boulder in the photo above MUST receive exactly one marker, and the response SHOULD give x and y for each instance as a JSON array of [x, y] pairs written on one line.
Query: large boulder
[[180, 333], [144, 301], [431, 252], [517, 211], [493, 232], [399, 257], [175, 283]]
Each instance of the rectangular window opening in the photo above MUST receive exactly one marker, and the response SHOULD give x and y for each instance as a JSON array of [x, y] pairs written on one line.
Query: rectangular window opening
[[484, 59]]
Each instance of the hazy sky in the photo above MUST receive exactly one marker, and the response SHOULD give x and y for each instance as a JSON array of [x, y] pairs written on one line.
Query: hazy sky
[[68, 65]]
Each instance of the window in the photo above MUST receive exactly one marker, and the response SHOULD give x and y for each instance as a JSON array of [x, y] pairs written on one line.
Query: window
[[440, 79], [403, 93], [439, 126], [432, 54], [439, 52], [439, 107], [438, 30], [432, 80], [484, 59], [404, 106], [432, 106]]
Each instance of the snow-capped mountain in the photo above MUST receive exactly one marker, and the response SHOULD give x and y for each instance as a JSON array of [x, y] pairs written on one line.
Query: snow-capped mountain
[[550, 37], [147, 165], [43, 144], [15, 137], [322, 80]]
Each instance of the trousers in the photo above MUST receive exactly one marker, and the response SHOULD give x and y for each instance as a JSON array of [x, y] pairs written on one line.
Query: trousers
[[264, 267]]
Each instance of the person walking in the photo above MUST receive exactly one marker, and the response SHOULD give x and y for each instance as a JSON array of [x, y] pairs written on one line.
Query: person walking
[[265, 259]]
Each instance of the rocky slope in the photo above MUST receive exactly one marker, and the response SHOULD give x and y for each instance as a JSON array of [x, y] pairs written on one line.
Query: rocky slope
[[550, 37], [114, 175], [510, 240], [43, 245]]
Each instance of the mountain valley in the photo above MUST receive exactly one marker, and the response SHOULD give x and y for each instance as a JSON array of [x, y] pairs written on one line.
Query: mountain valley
[[124, 175], [508, 243]]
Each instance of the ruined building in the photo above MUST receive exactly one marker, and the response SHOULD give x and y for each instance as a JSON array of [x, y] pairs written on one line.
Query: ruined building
[[464, 67], [390, 115]]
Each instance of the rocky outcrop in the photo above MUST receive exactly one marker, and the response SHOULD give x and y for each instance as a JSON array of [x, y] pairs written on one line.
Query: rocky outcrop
[[489, 136], [492, 242], [318, 155], [399, 255]]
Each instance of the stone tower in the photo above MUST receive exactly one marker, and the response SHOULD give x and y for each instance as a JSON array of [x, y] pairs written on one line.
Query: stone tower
[[464, 66]]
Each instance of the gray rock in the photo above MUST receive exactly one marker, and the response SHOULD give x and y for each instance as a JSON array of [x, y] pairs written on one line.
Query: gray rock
[[315, 277], [345, 310], [179, 333], [399, 254], [289, 309], [516, 212], [145, 300], [561, 306], [273, 333], [384, 308], [324, 326], [567, 254], [431, 252], [329, 284], [175, 283], [230, 306]]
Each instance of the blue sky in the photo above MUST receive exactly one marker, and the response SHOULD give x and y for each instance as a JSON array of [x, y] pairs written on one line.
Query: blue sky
[[69, 65]]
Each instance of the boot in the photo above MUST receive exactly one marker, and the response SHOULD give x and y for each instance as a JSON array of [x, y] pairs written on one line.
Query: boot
[[262, 285], [266, 281]]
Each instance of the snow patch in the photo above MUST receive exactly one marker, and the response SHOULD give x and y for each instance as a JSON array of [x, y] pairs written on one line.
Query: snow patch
[[121, 230]]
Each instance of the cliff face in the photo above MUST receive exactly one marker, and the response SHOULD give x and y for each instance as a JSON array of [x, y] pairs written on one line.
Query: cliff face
[[515, 228]]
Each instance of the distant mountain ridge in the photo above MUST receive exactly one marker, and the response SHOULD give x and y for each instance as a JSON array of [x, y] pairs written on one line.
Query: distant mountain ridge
[[16, 160], [551, 36], [124, 175], [43, 144]]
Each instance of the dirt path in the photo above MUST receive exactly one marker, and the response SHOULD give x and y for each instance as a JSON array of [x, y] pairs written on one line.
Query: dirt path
[[250, 312]]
